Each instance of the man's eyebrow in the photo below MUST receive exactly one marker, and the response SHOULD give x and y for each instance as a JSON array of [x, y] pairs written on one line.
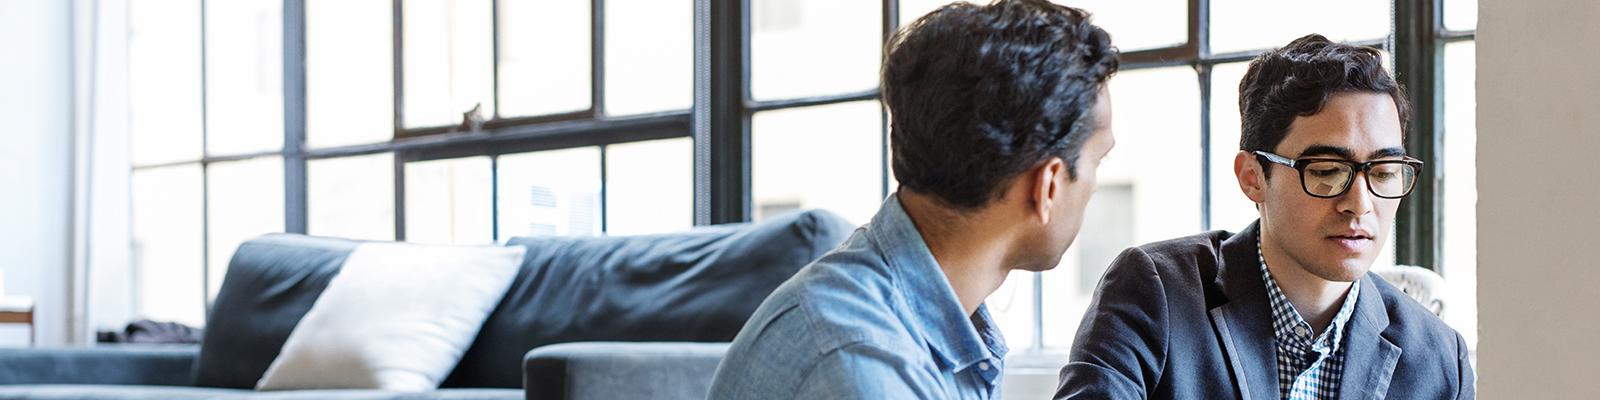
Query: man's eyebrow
[[1388, 152], [1326, 150]]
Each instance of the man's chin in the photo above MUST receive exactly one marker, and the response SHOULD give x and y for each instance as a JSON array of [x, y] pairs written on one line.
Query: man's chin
[[1039, 267], [1343, 270]]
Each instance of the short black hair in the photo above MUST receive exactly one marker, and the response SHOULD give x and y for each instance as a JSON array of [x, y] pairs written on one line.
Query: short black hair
[[1298, 79], [979, 94]]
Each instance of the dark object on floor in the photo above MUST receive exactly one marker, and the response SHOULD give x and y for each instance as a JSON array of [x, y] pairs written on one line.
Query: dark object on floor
[[151, 332]]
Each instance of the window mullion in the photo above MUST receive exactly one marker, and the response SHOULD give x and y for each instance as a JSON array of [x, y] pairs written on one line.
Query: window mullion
[[294, 115]]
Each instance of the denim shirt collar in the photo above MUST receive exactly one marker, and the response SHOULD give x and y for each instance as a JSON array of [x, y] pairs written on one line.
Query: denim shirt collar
[[959, 341]]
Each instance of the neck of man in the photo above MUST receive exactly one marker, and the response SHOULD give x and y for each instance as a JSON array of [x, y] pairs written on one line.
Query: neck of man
[[972, 255], [1316, 299]]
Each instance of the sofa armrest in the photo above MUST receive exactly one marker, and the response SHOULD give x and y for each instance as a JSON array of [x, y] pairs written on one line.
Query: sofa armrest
[[112, 365], [621, 370]]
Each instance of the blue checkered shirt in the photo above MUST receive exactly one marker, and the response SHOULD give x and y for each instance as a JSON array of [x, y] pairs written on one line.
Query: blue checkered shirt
[[1308, 367]]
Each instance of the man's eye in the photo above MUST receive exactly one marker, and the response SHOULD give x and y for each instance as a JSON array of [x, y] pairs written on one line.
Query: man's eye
[[1323, 172]]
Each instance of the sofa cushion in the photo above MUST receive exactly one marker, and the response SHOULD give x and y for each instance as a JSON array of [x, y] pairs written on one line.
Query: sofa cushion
[[124, 392], [595, 370], [102, 364], [271, 283], [696, 286], [129, 392], [398, 317]]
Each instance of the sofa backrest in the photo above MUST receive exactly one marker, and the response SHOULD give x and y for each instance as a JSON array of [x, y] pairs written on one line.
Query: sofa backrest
[[699, 285]]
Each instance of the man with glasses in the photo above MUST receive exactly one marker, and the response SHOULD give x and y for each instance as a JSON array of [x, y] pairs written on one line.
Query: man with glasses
[[1284, 309]]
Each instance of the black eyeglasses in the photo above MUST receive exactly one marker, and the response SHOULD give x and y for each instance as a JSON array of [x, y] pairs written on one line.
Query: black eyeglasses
[[1330, 177]]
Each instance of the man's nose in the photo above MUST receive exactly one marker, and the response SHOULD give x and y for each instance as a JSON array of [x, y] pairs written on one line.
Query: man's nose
[[1358, 200]]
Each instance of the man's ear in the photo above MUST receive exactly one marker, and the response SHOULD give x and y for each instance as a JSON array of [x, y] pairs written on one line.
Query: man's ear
[[1047, 187], [1251, 180]]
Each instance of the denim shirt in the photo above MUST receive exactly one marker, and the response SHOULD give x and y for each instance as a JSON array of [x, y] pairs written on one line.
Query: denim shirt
[[875, 318]]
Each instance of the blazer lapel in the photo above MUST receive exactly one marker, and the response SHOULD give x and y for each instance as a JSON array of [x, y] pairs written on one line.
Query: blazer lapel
[[1243, 323], [1369, 357]]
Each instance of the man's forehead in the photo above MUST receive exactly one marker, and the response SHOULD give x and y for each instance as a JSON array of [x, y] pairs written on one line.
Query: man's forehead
[[1346, 143], [1335, 151], [1362, 123]]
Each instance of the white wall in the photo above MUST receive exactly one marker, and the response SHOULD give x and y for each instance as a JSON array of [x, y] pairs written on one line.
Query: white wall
[[35, 160], [109, 294], [1539, 224]]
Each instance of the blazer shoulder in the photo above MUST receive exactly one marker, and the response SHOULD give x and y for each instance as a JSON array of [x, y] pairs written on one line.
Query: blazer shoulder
[[1208, 243], [1193, 257]]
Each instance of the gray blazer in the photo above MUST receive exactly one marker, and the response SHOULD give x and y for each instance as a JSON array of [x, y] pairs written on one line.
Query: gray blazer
[[1188, 319]]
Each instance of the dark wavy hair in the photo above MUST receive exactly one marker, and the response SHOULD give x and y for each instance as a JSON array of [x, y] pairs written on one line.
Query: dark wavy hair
[[1297, 80], [979, 94]]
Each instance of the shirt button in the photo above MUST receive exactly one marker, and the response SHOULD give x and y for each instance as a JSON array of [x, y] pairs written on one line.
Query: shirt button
[[1302, 331], [983, 366]]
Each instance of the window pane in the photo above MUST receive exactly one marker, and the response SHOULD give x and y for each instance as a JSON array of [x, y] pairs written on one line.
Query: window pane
[[449, 60], [1239, 25], [550, 193], [649, 56], [167, 255], [244, 76], [1134, 25], [787, 175], [351, 197], [911, 10], [448, 201], [164, 80], [650, 187], [1230, 209], [1149, 188], [244, 200], [1138, 25], [544, 57], [1459, 263], [349, 72], [1011, 306], [801, 48], [1461, 15]]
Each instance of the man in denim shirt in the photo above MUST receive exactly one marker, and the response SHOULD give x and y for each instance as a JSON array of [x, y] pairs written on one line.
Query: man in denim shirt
[[1000, 121]]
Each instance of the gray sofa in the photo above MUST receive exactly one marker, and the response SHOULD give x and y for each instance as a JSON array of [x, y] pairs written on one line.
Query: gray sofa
[[587, 318]]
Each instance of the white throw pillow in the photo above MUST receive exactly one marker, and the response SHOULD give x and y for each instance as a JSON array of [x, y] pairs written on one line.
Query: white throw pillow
[[397, 317]]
